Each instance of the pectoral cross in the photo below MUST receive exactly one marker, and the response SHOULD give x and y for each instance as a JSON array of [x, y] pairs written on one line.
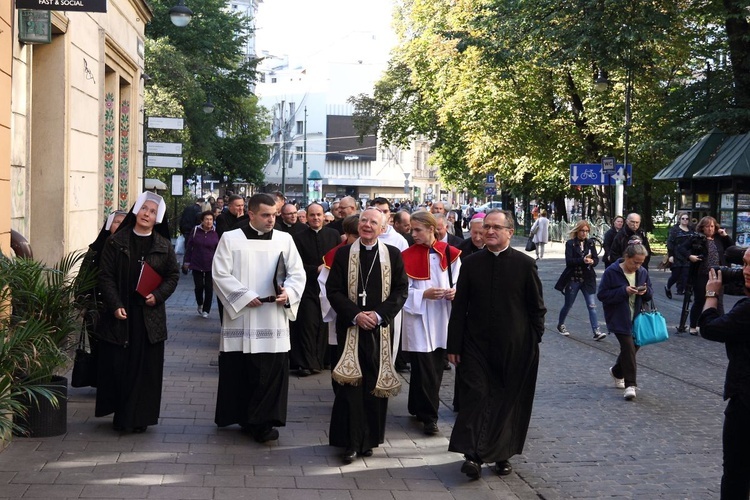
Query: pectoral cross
[[363, 295]]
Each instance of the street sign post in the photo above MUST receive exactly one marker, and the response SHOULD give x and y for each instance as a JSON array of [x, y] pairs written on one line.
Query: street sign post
[[592, 174]]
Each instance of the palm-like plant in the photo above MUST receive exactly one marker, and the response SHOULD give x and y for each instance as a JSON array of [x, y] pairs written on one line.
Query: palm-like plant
[[40, 311]]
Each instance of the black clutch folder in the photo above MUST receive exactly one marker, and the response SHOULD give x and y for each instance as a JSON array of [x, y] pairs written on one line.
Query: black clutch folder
[[278, 277]]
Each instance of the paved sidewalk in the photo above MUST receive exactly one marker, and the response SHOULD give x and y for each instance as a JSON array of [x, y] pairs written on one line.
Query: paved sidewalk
[[585, 441]]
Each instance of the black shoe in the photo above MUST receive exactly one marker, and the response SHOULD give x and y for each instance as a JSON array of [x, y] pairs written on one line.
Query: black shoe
[[118, 428], [401, 367], [471, 469], [303, 372], [446, 366], [366, 453], [349, 456], [668, 292], [140, 430], [680, 292], [266, 434], [430, 428], [503, 468]]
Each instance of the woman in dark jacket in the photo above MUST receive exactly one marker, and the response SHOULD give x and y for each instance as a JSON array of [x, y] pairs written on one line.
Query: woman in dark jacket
[[579, 274], [704, 253], [131, 347], [624, 286], [609, 237], [199, 254], [679, 263], [90, 267]]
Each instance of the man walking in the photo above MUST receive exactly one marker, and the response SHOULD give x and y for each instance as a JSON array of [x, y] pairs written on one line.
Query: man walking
[[309, 339], [367, 287], [254, 345], [632, 228], [496, 324]]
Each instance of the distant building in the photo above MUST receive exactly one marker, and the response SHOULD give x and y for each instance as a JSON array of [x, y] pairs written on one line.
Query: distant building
[[317, 95]]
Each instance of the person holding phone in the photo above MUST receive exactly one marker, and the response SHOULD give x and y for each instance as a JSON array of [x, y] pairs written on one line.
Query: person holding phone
[[624, 286], [579, 275], [704, 253]]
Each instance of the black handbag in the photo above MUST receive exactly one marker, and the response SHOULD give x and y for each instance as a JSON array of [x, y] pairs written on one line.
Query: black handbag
[[84, 364], [530, 245]]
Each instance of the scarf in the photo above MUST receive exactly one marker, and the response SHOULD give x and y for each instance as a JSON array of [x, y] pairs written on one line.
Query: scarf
[[348, 370]]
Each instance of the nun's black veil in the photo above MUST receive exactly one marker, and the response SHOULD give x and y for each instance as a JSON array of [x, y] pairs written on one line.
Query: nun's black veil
[[129, 222]]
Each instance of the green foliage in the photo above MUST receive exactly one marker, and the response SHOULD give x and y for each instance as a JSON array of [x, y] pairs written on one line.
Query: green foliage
[[507, 86], [189, 66], [40, 312]]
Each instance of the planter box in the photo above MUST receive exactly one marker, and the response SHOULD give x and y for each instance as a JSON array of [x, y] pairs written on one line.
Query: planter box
[[43, 419]]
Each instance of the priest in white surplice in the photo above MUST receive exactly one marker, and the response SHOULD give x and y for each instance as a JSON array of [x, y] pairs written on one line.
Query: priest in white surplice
[[432, 267], [254, 348]]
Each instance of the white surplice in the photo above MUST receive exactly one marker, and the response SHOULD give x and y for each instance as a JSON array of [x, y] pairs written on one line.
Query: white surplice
[[426, 321], [243, 269]]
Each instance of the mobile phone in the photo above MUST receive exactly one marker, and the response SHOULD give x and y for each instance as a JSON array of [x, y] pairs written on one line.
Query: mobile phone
[[641, 288]]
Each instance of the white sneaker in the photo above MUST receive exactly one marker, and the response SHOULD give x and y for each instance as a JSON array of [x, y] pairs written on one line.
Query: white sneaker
[[629, 394], [204, 314], [562, 330], [619, 382], [598, 334], [200, 310]]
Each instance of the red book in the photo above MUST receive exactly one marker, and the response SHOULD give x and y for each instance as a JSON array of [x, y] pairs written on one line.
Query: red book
[[148, 280]]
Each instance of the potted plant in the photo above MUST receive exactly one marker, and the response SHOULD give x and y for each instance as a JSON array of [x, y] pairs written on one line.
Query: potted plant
[[40, 314]]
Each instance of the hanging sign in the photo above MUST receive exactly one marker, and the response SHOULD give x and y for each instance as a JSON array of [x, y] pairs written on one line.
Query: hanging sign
[[74, 5], [34, 26]]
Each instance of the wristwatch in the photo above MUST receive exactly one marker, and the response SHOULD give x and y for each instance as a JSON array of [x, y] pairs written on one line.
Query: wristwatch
[[710, 293]]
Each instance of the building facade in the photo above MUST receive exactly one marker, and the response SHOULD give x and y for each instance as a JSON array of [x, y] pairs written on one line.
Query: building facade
[[6, 64], [75, 128]]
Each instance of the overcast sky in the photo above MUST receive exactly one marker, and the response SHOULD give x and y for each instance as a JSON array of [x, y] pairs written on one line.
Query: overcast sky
[[328, 30]]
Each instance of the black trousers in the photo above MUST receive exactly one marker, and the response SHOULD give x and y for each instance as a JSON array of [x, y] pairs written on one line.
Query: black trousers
[[424, 384], [204, 289], [735, 483], [626, 366]]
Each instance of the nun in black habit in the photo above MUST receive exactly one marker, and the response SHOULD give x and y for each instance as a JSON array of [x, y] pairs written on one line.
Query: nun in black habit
[[131, 342]]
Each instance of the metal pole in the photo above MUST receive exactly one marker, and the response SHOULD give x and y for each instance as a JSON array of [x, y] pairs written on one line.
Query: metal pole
[[282, 136], [304, 163], [145, 142], [620, 186]]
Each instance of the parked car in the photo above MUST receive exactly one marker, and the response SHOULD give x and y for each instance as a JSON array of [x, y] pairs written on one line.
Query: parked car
[[491, 205]]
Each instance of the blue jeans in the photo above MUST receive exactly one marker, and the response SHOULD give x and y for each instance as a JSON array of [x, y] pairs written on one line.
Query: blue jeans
[[571, 291]]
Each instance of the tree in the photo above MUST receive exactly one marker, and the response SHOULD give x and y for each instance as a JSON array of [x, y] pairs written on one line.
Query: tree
[[206, 61], [509, 85]]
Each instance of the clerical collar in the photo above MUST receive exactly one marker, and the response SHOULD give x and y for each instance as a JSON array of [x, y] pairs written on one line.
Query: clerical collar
[[260, 233], [369, 247], [142, 234], [499, 251], [317, 230]]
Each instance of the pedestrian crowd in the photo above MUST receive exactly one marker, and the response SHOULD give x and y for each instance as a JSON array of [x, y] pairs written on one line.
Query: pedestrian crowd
[[367, 293]]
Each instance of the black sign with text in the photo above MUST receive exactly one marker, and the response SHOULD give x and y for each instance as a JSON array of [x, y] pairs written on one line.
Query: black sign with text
[[76, 5]]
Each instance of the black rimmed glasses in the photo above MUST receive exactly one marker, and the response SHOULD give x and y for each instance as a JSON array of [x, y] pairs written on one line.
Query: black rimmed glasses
[[497, 228]]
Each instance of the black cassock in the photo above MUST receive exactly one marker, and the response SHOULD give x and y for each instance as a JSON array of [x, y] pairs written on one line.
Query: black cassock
[[496, 324], [358, 417], [250, 383], [309, 334]]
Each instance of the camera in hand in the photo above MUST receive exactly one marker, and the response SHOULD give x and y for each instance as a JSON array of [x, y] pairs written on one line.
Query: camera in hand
[[732, 278]]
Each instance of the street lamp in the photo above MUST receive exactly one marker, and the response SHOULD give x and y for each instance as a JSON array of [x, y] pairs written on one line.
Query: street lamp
[[180, 14], [208, 106], [601, 84]]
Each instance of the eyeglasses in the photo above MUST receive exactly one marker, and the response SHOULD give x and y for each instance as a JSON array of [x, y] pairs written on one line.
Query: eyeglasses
[[487, 227], [684, 218]]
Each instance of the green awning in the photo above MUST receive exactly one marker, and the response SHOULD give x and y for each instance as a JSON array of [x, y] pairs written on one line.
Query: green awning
[[732, 159], [694, 159]]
